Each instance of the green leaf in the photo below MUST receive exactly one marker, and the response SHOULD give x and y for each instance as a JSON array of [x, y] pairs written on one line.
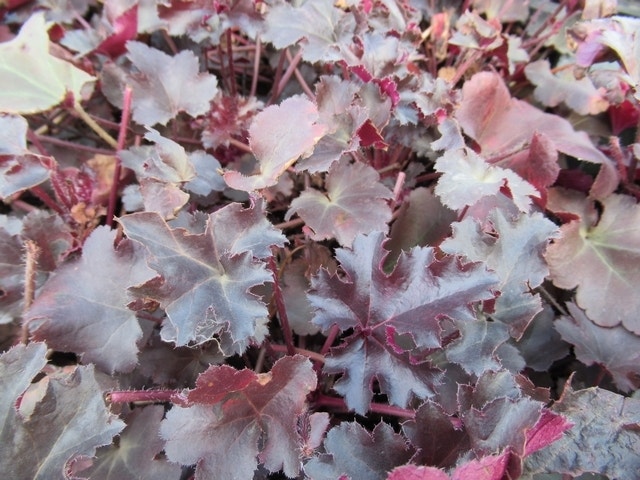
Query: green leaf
[[31, 79]]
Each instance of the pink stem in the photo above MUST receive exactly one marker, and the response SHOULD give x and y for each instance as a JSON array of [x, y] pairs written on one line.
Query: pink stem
[[122, 137], [127, 396], [381, 408]]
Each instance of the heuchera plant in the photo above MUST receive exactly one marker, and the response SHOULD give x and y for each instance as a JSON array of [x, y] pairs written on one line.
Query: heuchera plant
[[352, 239]]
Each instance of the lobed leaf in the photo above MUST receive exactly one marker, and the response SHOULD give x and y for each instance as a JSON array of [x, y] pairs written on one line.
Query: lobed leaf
[[615, 348], [81, 312], [136, 454], [513, 248], [70, 420], [354, 453], [162, 86], [278, 136], [467, 178], [204, 280], [597, 253], [245, 418], [353, 204], [409, 301]]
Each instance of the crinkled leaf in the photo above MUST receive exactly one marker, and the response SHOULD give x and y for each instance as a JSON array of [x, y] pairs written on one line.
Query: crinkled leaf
[[467, 178], [502, 124], [440, 440], [513, 248], [501, 423], [70, 420], [320, 25], [478, 349], [80, 311], [341, 109], [599, 256], [541, 344], [421, 220], [359, 455], [20, 169], [162, 85], [604, 438], [32, 79], [205, 279], [136, 453], [355, 202], [166, 161], [412, 300], [615, 348], [278, 136], [18, 366], [165, 199], [246, 418], [552, 89]]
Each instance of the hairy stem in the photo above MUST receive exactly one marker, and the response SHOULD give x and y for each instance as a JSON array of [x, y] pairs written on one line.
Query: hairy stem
[[32, 251]]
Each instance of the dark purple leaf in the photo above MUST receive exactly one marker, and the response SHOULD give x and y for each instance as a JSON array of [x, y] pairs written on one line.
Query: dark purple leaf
[[82, 308], [614, 348], [253, 419], [205, 279], [359, 455], [541, 344], [68, 421], [412, 300], [439, 438], [137, 453]]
